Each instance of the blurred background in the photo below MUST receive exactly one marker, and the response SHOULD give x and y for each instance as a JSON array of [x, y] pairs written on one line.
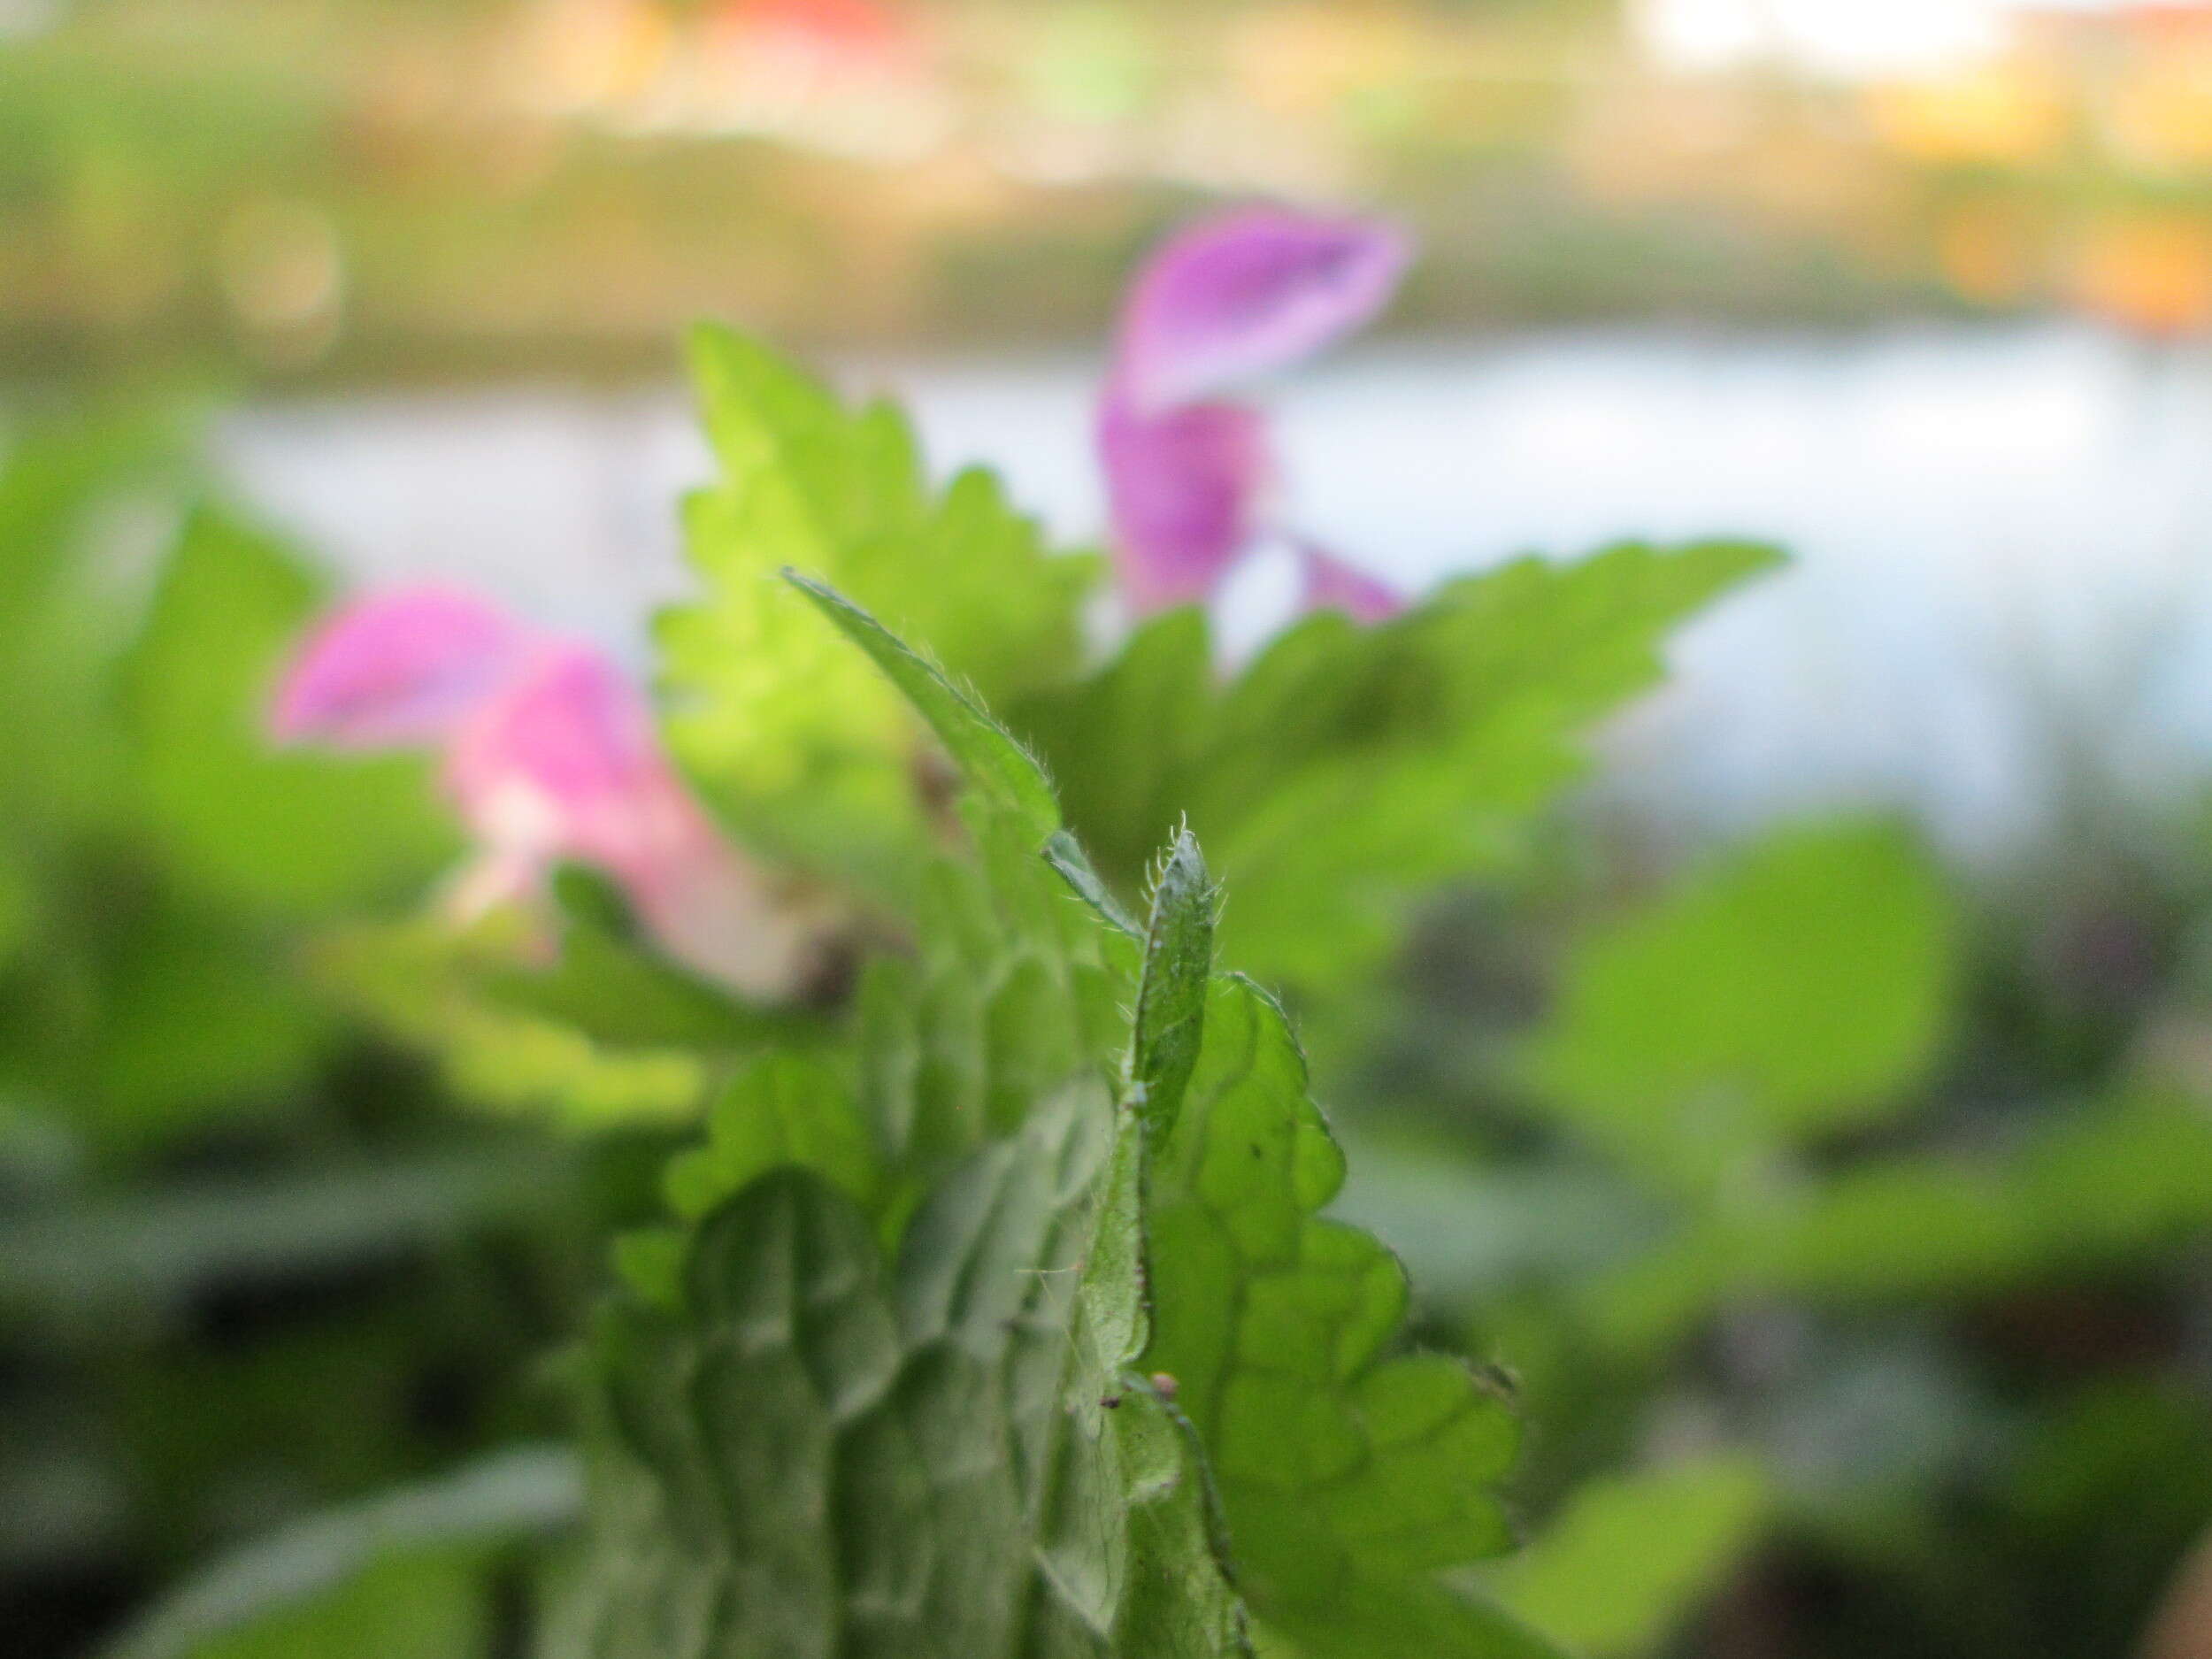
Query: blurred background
[[371, 195], [1919, 289]]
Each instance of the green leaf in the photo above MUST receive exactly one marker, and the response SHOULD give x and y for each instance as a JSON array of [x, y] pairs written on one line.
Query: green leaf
[[199, 1017], [466, 1000], [94, 1261], [1065, 855], [1350, 1475], [1470, 1231], [805, 750], [608, 986], [1113, 1350], [430, 1604], [333, 1582], [1170, 1015], [1800, 988], [607, 1031], [63, 615], [1632, 1556], [296, 831], [783, 1111], [21, 902], [824, 1454], [1008, 994], [1123, 744], [991, 761], [2117, 1181], [1348, 771]]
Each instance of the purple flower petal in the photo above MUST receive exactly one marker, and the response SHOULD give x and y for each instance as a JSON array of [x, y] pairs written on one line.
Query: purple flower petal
[[1333, 585], [1249, 291], [551, 754], [402, 667], [1183, 491], [565, 765], [563, 761]]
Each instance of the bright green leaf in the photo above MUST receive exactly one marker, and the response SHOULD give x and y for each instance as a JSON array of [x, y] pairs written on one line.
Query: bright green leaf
[[465, 1000], [1350, 1475], [1347, 771], [1632, 1556], [991, 761], [785, 1110], [300, 829], [796, 738], [1800, 988]]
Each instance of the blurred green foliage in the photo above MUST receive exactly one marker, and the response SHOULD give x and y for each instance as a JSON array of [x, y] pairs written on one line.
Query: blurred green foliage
[[251, 1263], [795, 735], [1795, 993], [1814, 1241], [1631, 1555], [1345, 772]]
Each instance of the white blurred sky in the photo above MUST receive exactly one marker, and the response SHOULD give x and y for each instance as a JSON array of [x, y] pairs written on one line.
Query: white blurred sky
[[1847, 38]]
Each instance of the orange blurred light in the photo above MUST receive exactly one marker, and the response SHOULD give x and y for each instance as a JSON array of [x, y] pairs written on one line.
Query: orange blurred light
[[2152, 274]]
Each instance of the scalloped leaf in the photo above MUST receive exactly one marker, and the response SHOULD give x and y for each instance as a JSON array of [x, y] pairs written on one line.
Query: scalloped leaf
[[1348, 771], [1349, 1474], [825, 1453], [804, 747], [1109, 1380]]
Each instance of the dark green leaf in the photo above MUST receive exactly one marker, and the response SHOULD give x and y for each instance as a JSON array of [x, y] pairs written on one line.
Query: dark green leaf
[[2122, 1179], [82, 1263]]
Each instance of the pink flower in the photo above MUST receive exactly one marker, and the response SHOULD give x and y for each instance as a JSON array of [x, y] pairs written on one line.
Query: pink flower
[[1333, 585], [1188, 475], [400, 670], [1186, 488], [551, 756]]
